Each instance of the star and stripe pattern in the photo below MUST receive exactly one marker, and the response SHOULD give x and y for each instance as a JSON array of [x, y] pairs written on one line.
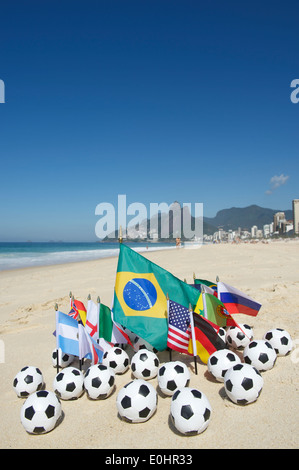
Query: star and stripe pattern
[[179, 330]]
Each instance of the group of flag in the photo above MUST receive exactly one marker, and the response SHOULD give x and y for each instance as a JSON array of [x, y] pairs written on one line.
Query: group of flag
[[88, 332], [163, 310]]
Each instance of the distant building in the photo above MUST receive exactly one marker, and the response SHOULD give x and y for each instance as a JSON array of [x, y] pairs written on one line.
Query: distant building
[[259, 234], [296, 215], [266, 230], [287, 226], [254, 231], [278, 219]]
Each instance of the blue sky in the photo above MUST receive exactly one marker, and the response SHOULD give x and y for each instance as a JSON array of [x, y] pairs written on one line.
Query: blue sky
[[159, 100]]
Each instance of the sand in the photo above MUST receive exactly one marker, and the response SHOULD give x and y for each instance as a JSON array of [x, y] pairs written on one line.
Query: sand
[[267, 272]]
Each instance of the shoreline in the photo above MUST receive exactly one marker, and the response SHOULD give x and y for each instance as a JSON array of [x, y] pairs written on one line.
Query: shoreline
[[89, 255], [151, 250]]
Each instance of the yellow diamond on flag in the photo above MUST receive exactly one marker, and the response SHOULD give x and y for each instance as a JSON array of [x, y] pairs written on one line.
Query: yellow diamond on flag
[[140, 294]]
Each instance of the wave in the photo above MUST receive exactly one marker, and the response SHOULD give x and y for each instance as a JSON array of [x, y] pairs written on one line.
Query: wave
[[15, 260]]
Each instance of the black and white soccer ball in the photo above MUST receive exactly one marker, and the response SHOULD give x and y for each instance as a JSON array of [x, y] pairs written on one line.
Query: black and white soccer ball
[[173, 375], [280, 340], [145, 364], [137, 401], [99, 381], [238, 338], [117, 359], [220, 361], [69, 383], [64, 359], [222, 333], [28, 380], [260, 354], [41, 412], [243, 384], [190, 411], [248, 330]]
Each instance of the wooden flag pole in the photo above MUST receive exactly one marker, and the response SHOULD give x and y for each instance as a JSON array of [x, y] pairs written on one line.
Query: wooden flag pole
[[193, 338], [57, 350]]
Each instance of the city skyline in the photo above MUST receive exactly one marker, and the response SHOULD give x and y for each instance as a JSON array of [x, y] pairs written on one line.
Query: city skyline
[[279, 223], [158, 101]]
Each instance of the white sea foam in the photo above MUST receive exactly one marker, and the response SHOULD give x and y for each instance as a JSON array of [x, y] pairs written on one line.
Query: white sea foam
[[30, 259]]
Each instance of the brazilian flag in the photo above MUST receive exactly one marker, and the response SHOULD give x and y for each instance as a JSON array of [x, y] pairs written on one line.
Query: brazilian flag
[[210, 284], [140, 294]]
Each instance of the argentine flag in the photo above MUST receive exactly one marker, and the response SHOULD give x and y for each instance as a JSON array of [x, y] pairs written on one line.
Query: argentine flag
[[67, 334]]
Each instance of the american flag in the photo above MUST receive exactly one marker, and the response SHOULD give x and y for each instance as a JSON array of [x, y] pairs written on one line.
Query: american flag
[[179, 330]]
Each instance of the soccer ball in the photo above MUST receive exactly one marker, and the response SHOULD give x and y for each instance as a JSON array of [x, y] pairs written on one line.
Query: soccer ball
[[280, 341], [137, 401], [190, 411], [173, 375], [236, 338], [145, 364], [41, 412], [99, 381], [117, 359], [220, 361], [243, 384], [69, 383], [64, 359], [260, 354], [222, 334], [248, 330], [28, 380]]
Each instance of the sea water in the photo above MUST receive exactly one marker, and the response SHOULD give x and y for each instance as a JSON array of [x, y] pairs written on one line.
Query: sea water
[[26, 254]]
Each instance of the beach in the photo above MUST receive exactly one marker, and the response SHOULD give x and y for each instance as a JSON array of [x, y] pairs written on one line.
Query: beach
[[268, 272]]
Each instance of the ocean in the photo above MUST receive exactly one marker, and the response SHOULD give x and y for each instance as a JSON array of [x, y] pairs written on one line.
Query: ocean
[[26, 254]]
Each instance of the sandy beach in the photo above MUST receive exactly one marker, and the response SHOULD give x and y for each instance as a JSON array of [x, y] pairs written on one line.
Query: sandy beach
[[268, 272]]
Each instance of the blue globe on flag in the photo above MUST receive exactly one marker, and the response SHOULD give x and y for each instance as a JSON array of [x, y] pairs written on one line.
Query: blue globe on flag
[[140, 294]]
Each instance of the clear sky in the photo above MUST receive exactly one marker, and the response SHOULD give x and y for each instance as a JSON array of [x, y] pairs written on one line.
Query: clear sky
[[160, 100]]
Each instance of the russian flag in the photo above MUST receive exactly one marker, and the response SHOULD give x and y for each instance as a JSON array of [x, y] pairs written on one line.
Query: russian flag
[[236, 301]]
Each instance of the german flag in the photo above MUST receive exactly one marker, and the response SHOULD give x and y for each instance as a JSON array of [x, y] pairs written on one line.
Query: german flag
[[206, 339]]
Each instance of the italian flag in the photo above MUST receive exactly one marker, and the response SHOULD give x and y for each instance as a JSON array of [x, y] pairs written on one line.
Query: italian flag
[[108, 329]]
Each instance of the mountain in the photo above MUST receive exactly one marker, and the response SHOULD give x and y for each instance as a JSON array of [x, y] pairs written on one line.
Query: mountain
[[245, 217], [227, 219]]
